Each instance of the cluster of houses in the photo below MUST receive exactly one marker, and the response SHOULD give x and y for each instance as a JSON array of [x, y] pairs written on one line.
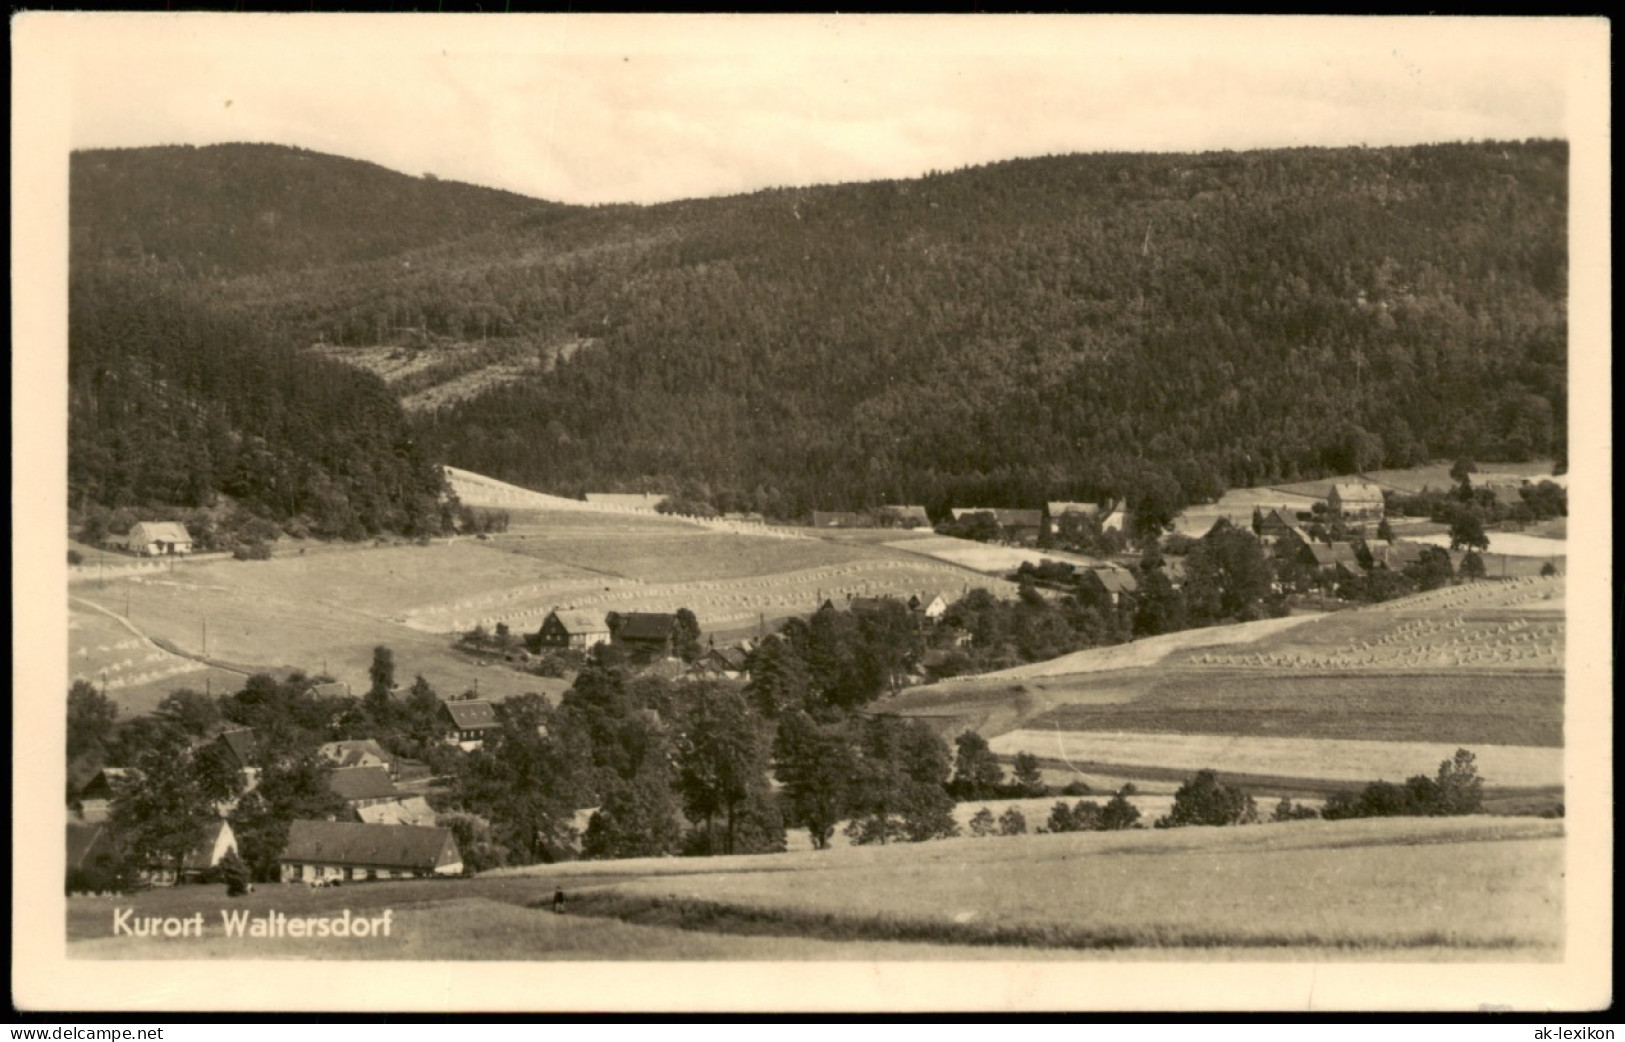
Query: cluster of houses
[[384, 831]]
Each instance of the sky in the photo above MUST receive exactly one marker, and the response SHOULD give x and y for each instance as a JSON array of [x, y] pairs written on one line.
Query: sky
[[585, 109]]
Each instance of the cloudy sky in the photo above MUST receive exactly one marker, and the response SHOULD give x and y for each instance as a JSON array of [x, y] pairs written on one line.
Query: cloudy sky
[[587, 110]]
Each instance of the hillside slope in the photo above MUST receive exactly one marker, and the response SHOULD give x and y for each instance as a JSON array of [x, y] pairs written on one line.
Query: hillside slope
[[1154, 327]]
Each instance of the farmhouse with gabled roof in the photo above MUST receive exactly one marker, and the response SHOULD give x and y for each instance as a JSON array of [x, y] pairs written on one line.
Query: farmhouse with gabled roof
[[318, 851], [468, 722], [154, 539], [1355, 499], [573, 629]]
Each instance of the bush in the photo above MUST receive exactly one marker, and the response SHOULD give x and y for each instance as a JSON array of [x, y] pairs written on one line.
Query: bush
[[1014, 823], [1202, 800], [1118, 814], [1286, 810], [234, 873], [252, 552], [982, 823], [1077, 788], [75, 557]]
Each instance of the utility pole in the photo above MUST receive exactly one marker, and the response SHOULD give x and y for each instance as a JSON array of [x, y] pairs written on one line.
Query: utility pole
[[205, 638]]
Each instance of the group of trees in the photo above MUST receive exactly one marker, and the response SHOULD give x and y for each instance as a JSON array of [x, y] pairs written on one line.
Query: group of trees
[[174, 403], [1455, 789]]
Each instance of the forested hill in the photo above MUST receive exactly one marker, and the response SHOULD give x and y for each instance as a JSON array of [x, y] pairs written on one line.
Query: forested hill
[[1148, 326], [236, 209]]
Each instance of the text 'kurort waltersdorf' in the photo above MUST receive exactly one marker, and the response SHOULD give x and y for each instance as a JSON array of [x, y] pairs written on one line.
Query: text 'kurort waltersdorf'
[[245, 924]]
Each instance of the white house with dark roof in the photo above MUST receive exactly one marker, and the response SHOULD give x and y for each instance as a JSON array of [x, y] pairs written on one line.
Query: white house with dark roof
[[468, 722], [154, 539], [1355, 499], [320, 851], [573, 629]]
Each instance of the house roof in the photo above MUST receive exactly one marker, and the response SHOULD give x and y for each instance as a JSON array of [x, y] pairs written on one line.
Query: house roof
[[1116, 580], [835, 519], [733, 658], [361, 783], [1355, 492], [580, 621], [1062, 507], [102, 785], [643, 625], [201, 854], [241, 744], [413, 810], [1005, 516], [353, 752], [1336, 553], [472, 713], [905, 513], [159, 532], [361, 843]]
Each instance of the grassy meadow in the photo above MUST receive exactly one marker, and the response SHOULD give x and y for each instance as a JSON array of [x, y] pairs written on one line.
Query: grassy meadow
[[1437, 889]]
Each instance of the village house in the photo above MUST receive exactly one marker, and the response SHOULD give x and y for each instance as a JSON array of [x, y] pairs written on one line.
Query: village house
[[580, 630], [1061, 508], [1338, 559], [1115, 583], [90, 842], [644, 634], [1396, 557], [96, 798], [238, 748], [1015, 526], [1114, 521], [322, 851], [468, 722], [930, 606], [361, 752], [1353, 500], [408, 810], [154, 539], [901, 516], [362, 786], [724, 663]]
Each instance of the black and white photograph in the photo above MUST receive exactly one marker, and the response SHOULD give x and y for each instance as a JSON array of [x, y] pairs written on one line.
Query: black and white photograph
[[714, 513]]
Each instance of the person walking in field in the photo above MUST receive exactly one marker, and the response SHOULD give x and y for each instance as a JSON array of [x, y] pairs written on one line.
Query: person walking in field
[[558, 900]]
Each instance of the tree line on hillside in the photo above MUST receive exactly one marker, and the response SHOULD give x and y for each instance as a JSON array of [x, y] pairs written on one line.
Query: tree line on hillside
[[174, 405], [1151, 329]]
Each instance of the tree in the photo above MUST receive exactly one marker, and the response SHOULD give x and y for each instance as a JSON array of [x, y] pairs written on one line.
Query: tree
[[982, 823], [296, 787], [1226, 575], [1432, 569], [1472, 565], [1028, 775], [1012, 822], [1461, 790], [476, 840], [815, 765], [192, 711], [1467, 530], [162, 811], [778, 681], [91, 717], [1286, 810], [1385, 531], [977, 774], [1460, 470], [1202, 800], [527, 782], [1118, 813], [382, 675], [686, 642], [722, 757], [638, 818], [1548, 570], [898, 788], [234, 873]]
